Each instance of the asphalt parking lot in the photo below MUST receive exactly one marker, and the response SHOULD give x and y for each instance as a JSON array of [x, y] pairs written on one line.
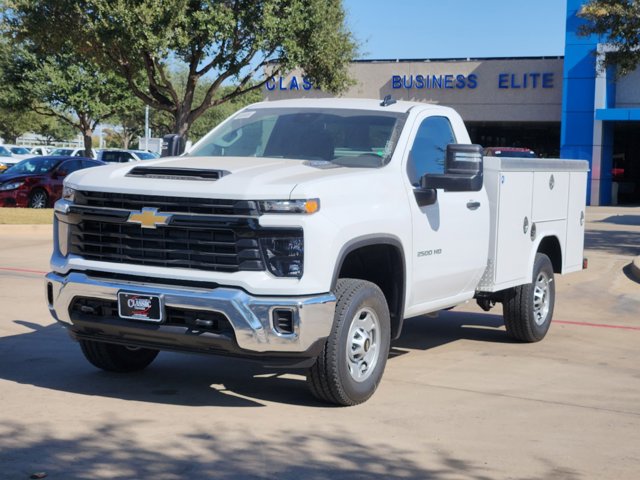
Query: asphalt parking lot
[[458, 399]]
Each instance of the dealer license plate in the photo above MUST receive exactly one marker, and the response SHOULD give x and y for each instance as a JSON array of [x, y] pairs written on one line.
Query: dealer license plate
[[135, 306]]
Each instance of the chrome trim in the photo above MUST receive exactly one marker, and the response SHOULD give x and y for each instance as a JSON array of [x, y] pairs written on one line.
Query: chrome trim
[[250, 316], [78, 207]]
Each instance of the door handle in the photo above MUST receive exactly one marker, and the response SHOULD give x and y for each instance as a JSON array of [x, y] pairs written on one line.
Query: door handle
[[473, 205]]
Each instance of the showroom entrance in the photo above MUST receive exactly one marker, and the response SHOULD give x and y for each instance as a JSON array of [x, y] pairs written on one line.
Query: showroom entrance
[[541, 137], [626, 163]]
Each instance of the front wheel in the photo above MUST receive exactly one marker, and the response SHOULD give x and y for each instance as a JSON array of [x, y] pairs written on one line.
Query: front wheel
[[528, 309], [117, 358], [38, 199], [351, 365]]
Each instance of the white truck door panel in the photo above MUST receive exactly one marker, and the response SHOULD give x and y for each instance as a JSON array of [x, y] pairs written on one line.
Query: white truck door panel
[[450, 240], [514, 226], [551, 195], [575, 222]]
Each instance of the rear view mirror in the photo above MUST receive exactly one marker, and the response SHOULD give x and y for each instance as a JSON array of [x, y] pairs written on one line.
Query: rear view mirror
[[462, 170]]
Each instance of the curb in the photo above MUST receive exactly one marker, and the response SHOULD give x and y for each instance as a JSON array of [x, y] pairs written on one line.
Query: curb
[[635, 268]]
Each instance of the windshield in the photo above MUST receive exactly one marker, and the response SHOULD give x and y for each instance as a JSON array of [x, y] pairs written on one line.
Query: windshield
[[145, 155], [358, 138], [32, 166], [4, 152], [62, 152], [19, 151]]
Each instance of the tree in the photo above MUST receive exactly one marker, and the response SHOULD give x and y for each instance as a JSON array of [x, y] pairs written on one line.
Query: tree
[[244, 42], [619, 21], [62, 86], [54, 130]]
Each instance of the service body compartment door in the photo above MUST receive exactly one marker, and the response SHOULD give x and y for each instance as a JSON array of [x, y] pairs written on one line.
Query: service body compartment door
[[576, 220], [513, 242], [550, 196]]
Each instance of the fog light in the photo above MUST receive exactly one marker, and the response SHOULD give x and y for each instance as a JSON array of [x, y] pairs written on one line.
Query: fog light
[[283, 321]]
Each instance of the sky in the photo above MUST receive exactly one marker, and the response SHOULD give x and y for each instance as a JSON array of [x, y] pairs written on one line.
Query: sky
[[404, 29]]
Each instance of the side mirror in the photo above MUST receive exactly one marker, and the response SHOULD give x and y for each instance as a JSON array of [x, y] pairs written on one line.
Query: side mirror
[[462, 170], [172, 145]]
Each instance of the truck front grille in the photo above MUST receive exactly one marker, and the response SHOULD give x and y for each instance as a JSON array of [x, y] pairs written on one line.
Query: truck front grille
[[203, 234], [214, 249]]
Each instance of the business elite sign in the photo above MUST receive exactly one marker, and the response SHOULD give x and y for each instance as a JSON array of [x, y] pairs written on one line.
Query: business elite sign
[[503, 81]]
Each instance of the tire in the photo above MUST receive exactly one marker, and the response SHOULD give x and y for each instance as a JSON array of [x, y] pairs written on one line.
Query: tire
[[353, 359], [38, 199], [117, 358], [528, 309]]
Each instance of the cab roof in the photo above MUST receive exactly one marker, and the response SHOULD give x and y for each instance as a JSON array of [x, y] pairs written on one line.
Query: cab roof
[[399, 106]]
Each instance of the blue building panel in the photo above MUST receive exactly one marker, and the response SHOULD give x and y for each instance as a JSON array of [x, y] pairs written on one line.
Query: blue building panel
[[580, 61], [578, 95]]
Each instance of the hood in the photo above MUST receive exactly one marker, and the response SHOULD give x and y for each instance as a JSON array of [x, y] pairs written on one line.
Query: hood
[[8, 178], [241, 177]]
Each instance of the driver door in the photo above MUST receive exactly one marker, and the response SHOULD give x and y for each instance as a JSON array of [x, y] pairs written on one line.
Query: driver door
[[450, 236]]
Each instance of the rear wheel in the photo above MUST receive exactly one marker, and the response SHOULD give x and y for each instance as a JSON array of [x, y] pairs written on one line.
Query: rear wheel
[[117, 358], [351, 365], [528, 309], [38, 199]]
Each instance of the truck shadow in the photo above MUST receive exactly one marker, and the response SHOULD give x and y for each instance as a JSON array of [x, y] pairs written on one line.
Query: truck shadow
[[46, 357], [424, 333]]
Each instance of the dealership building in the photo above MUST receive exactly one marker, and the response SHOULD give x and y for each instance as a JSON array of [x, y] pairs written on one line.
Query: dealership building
[[557, 106]]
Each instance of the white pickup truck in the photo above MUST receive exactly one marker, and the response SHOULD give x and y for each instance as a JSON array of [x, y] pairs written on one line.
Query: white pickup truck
[[302, 233]]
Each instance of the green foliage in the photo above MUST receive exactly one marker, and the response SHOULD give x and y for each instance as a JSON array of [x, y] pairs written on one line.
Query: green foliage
[[619, 22], [217, 43]]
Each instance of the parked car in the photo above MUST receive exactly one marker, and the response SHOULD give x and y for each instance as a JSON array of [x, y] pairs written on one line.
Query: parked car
[[39, 151], [37, 182], [123, 156], [72, 152], [513, 152], [6, 158], [18, 152]]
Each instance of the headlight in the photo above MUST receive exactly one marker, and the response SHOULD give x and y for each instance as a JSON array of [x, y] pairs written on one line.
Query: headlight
[[10, 186], [284, 255], [68, 193], [290, 206]]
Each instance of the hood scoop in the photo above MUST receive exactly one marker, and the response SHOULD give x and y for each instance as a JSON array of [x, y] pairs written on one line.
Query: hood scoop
[[177, 173]]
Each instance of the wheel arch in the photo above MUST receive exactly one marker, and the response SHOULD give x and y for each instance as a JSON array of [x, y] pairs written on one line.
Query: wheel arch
[[550, 246], [389, 274]]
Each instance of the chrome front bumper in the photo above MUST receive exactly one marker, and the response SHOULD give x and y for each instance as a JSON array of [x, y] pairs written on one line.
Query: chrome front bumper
[[250, 316]]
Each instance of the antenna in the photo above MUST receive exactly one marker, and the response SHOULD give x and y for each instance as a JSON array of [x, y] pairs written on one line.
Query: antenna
[[388, 100]]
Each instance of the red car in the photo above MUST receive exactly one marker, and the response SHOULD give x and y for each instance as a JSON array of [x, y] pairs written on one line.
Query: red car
[[37, 182]]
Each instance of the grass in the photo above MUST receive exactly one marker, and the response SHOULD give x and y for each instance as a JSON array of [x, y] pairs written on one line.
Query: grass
[[26, 216]]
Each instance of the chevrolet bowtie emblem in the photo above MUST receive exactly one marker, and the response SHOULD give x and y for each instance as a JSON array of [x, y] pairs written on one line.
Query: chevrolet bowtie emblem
[[149, 218]]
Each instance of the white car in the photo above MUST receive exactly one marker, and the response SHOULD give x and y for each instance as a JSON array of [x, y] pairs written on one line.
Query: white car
[[123, 156], [40, 151], [18, 152], [72, 152]]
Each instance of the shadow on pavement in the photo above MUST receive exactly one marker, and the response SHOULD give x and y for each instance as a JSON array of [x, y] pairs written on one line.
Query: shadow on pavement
[[112, 451], [618, 242], [423, 333], [46, 357], [633, 220]]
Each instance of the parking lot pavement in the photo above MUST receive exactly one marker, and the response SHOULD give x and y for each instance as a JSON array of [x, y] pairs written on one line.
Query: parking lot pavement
[[458, 400]]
